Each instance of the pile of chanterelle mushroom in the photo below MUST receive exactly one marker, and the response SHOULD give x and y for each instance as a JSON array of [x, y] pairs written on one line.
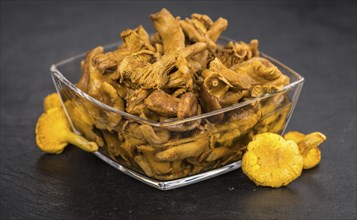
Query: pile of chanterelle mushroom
[[176, 73]]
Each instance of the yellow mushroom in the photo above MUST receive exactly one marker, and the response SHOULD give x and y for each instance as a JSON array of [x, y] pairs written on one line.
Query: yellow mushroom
[[217, 28], [154, 135], [142, 70], [179, 79], [114, 100], [135, 100], [182, 151], [231, 97], [162, 103], [134, 41], [83, 120], [53, 133], [272, 161], [170, 31], [193, 34], [158, 167], [167, 105], [308, 146], [210, 103], [203, 21], [144, 165], [137, 39], [127, 66], [261, 71], [200, 28], [216, 85], [91, 77], [218, 153], [237, 52], [52, 101], [238, 122], [294, 136], [239, 81], [188, 105]]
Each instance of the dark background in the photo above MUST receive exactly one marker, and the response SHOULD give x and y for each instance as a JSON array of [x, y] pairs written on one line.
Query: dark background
[[318, 40]]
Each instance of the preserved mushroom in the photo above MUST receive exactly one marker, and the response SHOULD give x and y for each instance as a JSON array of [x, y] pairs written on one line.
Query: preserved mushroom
[[175, 74]]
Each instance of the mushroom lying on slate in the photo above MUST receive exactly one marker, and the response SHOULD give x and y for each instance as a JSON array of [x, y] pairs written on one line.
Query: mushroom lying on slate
[[272, 161], [308, 146], [53, 133]]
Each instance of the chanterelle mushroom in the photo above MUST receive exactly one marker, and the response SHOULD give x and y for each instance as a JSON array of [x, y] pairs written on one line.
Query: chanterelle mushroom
[[210, 103], [170, 31], [236, 52], [201, 29], [142, 70], [82, 119], [91, 78], [137, 39], [272, 161], [219, 80], [135, 101], [182, 151], [188, 105], [162, 103], [53, 133], [113, 99], [52, 101], [154, 136], [134, 41], [262, 72], [153, 75], [232, 97], [238, 123], [170, 106], [308, 146]]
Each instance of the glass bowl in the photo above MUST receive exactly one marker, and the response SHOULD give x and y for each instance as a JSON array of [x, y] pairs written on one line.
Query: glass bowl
[[177, 152]]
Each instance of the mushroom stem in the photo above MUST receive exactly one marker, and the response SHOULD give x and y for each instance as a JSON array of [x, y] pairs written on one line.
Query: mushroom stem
[[193, 49], [81, 142], [179, 152], [240, 81], [170, 31], [218, 153], [217, 28]]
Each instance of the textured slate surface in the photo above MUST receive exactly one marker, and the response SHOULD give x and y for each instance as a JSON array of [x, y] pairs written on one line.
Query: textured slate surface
[[317, 40]]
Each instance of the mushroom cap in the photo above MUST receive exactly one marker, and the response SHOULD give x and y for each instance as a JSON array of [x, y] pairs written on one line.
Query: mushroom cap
[[272, 161], [312, 158], [130, 63], [308, 146], [294, 136], [52, 101], [162, 103], [188, 105], [50, 128]]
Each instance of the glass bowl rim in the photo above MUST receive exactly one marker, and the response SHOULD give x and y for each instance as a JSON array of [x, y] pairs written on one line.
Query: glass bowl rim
[[55, 72]]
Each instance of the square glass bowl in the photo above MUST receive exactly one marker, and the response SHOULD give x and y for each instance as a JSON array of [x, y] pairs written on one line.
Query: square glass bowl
[[177, 152]]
